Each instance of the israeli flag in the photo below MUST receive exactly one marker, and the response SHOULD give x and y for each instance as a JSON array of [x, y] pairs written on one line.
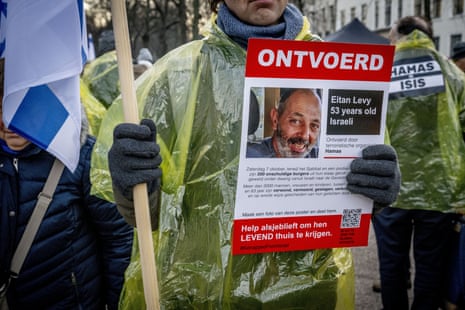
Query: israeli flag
[[46, 47]]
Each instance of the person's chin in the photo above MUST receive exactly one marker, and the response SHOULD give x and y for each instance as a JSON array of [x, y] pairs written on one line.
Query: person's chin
[[297, 154], [16, 142], [264, 16], [298, 149]]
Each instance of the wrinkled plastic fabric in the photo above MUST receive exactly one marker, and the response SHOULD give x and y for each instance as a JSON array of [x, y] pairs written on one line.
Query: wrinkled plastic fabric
[[101, 76], [94, 109], [195, 96], [427, 133]]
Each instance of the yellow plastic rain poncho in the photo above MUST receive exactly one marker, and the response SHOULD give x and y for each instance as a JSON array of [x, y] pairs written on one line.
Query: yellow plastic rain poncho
[[195, 96], [99, 86], [427, 133], [94, 109], [101, 77]]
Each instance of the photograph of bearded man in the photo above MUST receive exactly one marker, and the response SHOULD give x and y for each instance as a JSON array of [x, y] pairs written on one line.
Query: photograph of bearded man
[[295, 123]]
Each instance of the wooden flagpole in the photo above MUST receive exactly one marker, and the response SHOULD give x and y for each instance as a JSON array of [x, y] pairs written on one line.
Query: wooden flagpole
[[131, 114]]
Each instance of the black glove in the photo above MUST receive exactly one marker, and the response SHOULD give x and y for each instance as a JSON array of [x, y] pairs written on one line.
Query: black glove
[[134, 157], [376, 175]]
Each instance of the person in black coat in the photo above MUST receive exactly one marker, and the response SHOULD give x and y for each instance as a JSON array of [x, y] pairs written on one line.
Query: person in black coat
[[82, 247]]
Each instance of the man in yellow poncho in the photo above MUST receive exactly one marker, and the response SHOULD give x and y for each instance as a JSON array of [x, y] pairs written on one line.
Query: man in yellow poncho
[[194, 95], [425, 123]]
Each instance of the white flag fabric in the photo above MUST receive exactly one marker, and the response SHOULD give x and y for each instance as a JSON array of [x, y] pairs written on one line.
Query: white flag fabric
[[46, 47]]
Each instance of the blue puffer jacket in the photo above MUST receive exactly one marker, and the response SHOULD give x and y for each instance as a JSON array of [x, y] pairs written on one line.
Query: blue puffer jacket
[[83, 246]]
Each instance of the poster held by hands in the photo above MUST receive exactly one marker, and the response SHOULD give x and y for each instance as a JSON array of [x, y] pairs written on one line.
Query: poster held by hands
[[291, 193]]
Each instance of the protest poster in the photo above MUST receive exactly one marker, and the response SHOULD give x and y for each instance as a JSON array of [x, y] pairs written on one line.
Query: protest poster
[[292, 196]]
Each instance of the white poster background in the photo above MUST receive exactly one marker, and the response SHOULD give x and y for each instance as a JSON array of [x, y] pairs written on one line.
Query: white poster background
[[292, 187]]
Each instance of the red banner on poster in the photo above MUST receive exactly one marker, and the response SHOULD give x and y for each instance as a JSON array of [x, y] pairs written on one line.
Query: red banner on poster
[[300, 233], [319, 60], [317, 106]]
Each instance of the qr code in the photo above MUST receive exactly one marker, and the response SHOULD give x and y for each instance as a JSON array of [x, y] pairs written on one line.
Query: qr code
[[351, 218]]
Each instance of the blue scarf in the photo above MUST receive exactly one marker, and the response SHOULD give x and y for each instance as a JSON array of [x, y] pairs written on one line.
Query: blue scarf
[[290, 26]]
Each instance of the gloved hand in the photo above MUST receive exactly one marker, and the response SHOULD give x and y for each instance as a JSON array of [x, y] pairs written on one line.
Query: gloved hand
[[134, 157], [376, 174]]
